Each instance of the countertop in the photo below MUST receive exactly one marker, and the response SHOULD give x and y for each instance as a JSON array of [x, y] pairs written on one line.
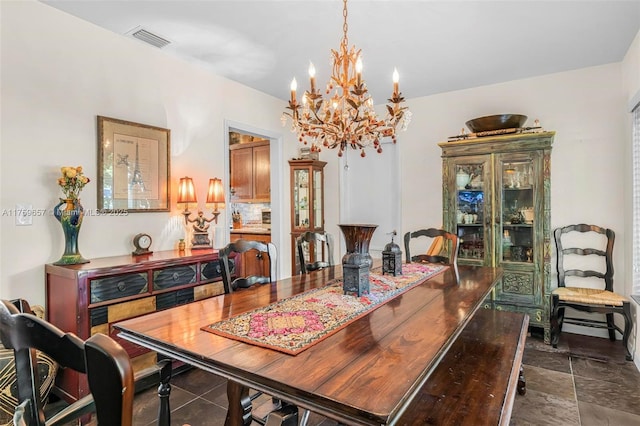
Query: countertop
[[251, 230]]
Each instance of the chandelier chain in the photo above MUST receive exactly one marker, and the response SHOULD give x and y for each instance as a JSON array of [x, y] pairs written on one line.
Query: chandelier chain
[[345, 26]]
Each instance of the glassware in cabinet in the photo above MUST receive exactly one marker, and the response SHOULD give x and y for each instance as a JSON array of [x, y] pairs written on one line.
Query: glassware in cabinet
[[517, 208], [470, 208], [307, 203]]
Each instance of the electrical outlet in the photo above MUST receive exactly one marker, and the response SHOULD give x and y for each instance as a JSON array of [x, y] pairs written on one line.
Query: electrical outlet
[[24, 216]]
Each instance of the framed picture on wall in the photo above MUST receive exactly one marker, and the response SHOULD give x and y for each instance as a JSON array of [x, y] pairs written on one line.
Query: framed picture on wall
[[133, 167]]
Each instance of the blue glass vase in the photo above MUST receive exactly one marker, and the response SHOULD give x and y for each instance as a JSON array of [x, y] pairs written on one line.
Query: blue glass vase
[[69, 212]]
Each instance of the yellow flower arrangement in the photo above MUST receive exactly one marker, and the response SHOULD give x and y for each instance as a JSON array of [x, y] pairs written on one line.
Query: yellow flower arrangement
[[72, 181]]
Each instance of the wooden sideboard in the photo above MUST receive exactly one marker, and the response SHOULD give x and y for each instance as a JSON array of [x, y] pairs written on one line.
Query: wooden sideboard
[[88, 298]]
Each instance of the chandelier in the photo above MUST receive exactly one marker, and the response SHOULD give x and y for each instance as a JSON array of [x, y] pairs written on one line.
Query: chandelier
[[347, 118]]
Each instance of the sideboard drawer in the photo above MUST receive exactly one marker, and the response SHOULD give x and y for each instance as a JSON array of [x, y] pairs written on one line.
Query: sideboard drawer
[[174, 298], [174, 276], [211, 271], [110, 288]]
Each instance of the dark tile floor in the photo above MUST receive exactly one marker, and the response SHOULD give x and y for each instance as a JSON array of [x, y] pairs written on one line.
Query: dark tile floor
[[585, 381]]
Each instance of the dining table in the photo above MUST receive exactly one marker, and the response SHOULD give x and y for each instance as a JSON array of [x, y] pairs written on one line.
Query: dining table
[[366, 373]]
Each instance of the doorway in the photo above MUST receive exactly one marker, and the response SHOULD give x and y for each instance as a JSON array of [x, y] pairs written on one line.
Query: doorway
[[250, 203]]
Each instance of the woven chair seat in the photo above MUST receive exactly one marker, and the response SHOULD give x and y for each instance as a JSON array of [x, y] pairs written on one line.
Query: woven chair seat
[[589, 295]]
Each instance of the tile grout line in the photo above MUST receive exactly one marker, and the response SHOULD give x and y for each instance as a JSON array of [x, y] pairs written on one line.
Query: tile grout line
[[575, 392]]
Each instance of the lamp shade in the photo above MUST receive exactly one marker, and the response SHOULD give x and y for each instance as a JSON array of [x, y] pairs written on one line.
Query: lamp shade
[[215, 193], [186, 191]]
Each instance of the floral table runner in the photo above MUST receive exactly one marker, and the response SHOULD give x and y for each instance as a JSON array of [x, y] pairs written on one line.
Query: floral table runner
[[294, 324]]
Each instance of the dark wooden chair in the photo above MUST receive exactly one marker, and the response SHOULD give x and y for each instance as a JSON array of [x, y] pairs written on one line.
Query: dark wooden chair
[[321, 245], [583, 288], [158, 374], [243, 246], [443, 250], [275, 411], [102, 359]]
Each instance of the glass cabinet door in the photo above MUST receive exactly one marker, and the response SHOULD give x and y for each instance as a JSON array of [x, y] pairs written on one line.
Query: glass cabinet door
[[317, 200], [470, 209], [301, 198], [517, 209]]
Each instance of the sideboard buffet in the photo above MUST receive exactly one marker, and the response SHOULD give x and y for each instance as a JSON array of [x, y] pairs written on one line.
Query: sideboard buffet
[[496, 198], [88, 298]]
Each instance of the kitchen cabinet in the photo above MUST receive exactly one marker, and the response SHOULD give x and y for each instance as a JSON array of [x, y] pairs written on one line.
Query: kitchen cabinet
[[307, 206], [250, 170], [250, 263], [496, 198], [88, 298]]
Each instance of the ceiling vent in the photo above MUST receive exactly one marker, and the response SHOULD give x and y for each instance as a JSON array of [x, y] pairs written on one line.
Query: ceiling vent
[[148, 37]]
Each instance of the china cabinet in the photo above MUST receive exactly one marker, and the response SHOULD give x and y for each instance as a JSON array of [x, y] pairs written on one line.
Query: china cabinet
[[250, 172], [307, 206], [496, 197]]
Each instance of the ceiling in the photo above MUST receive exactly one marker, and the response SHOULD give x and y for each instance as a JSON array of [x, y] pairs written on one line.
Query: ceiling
[[437, 46]]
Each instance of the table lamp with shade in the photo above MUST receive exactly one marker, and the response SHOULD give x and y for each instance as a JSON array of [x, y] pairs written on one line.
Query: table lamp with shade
[[215, 199]]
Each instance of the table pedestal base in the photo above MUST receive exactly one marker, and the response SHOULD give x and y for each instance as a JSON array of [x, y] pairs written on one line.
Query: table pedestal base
[[355, 279]]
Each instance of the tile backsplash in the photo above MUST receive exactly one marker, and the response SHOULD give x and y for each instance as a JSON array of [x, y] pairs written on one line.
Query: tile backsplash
[[251, 212]]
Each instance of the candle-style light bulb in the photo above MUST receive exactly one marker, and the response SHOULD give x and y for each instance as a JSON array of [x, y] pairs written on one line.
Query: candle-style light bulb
[[396, 79], [294, 86], [312, 76], [359, 70]]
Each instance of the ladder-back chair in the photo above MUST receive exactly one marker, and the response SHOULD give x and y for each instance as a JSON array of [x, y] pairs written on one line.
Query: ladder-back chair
[[585, 282]]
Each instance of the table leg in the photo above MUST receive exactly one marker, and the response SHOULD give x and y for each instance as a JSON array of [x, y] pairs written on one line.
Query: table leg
[[239, 410], [522, 383]]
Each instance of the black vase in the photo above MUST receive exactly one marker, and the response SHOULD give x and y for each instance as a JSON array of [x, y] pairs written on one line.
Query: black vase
[[357, 238]]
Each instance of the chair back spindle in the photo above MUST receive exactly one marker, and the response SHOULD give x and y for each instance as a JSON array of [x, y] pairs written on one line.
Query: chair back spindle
[[241, 246], [448, 254], [321, 244]]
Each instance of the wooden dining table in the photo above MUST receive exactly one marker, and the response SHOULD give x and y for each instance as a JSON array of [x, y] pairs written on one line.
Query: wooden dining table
[[366, 373]]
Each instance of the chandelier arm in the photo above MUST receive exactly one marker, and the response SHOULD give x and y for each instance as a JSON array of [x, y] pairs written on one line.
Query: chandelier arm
[[315, 114]]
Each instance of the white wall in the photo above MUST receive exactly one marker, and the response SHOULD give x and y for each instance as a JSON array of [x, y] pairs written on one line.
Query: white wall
[[58, 74], [631, 87]]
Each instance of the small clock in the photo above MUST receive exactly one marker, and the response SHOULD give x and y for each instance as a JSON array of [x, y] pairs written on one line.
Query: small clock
[[141, 242]]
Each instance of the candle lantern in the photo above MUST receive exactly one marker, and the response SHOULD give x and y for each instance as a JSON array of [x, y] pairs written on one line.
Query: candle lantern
[[392, 258]]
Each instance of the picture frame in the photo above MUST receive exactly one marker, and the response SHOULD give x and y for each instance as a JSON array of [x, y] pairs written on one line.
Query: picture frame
[[133, 167]]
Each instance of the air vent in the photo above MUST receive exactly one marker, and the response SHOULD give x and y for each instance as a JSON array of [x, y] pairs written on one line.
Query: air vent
[[148, 37]]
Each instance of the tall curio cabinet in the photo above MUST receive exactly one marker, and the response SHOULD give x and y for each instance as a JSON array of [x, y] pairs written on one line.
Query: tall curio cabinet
[[496, 198], [307, 205]]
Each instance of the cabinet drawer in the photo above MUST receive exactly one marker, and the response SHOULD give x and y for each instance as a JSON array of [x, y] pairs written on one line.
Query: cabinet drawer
[[174, 276], [265, 238], [537, 316], [211, 271], [116, 287], [174, 298], [208, 290], [99, 315]]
